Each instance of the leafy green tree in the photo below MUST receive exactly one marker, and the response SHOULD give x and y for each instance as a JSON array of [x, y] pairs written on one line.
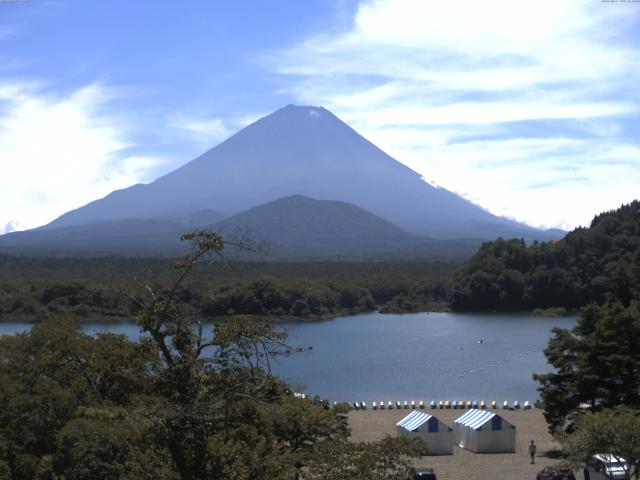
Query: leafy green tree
[[611, 431], [112, 443], [227, 416], [5, 470], [48, 374], [388, 459], [179, 404]]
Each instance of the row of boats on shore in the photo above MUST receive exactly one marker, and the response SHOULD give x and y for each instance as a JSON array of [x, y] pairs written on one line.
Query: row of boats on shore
[[442, 404]]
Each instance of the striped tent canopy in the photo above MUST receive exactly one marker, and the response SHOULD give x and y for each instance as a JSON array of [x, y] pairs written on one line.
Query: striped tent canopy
[[412, 421], [483, 431], [475, 419], [419, 424]]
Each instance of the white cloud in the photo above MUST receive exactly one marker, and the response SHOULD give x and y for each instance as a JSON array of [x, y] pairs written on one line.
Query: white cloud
[[204, 130], [478, 113], [59, 153], [446, 87], [546, 182]]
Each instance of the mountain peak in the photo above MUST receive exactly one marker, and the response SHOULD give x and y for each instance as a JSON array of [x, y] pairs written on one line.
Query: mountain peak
[[302, 108], [299, 113], [303, 150]]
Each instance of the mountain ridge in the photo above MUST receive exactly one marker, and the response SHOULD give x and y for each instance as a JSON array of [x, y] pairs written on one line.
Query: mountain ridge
[[293, 228]]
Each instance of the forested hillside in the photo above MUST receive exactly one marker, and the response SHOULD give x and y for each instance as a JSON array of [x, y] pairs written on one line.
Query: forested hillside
[[569, 273], [92, 289]]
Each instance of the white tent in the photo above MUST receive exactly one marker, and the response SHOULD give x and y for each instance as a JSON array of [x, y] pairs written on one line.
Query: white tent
[[482, 431], [437, 435]]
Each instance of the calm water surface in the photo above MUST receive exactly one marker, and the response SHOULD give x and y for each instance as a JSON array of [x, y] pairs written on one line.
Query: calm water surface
[[375, 356]]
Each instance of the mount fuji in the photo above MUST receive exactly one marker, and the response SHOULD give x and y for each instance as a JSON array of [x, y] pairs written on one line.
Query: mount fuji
[[295, 151]]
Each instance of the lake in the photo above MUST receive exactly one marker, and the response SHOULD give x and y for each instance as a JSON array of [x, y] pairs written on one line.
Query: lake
[[427, 356]]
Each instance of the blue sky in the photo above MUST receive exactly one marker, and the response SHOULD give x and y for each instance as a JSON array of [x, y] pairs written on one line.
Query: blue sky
[[530, 109]]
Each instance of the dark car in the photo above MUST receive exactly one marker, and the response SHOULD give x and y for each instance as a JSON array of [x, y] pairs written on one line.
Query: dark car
[[424, 474], [555, 472]]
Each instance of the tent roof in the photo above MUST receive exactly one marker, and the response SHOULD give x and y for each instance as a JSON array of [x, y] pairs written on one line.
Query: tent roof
[[475, 418], [414, 420]]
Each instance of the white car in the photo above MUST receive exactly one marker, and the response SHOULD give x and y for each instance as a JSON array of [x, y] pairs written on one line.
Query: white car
[[605, 466]]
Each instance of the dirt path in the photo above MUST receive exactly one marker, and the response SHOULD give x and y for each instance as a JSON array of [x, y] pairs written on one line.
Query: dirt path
[[370, 425]]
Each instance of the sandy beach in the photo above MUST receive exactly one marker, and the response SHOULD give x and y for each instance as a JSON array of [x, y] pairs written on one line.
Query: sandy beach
[[370, 425]]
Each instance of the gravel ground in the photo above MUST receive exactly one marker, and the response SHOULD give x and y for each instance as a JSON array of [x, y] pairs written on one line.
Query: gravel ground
[[370, 425]]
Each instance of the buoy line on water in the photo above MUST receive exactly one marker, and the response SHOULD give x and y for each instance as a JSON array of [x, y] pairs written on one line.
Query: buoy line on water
[[514, 356]]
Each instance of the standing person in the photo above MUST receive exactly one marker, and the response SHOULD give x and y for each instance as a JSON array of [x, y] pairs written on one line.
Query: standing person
[[532, 451]]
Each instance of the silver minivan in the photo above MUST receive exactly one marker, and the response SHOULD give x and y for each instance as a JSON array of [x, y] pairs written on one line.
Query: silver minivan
[[605, 466]]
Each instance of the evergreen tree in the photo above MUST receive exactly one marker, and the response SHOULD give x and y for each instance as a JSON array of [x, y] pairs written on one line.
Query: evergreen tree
[[598, 362]]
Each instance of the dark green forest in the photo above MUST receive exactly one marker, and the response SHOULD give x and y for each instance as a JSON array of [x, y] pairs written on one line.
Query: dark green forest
[[502, 275], [92, 288], [569, 273]]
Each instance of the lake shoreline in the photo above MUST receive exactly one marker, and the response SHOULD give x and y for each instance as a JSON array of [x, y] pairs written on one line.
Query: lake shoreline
[[94, 318]]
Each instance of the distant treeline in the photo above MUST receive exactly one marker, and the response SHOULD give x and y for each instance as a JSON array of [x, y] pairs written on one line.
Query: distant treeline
[[108, 288], [569, 273], [502, 275]]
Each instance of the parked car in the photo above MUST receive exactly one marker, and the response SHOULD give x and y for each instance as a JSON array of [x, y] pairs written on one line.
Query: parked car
[[423, 474], [606, 466], [555, 472]]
